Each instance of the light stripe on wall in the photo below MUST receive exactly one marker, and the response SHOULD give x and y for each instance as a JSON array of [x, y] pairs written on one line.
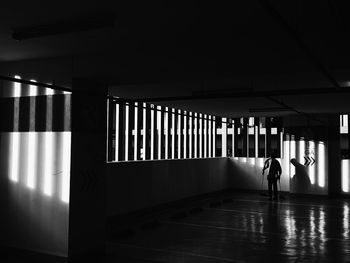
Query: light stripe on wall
[[66, 154], [127, 111], [224, 137], [117, 132], [178, 133], [301, 152], [210, 137], [15, 140], [32, 139], [345, 172], [152, 133], [135, 131], [205, 131], [185, 132], [311, 168], [292, 148], [173, 134], [321, 165], [190, 136], [48, 174], [286, 154], [144, 132], [214, 136], [195, 136], [167, 133], [200, 117]]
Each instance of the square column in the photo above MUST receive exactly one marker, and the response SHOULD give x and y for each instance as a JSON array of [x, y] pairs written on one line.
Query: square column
[[334, 160], [87, 213]]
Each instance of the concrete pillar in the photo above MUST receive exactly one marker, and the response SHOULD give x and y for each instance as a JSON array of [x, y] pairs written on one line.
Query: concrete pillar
[[334, 160], [88, 171]]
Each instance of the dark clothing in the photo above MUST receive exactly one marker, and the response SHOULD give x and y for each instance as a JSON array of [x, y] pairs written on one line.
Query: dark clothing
[[274, 174], [275, 170], [273, 183], [274, 167]]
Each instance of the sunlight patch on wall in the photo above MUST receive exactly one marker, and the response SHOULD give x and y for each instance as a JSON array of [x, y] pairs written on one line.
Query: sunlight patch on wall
[[32, 139], [261, 162], [116, 150], [48, 164], [292, 149], [167, 131], [345, 173], [15, 138], [178, 134], [185, 132], [311, 168], [136, 137], [321, 164], [66, 155], [301, 152], [195, 135], [126, 157], [173, 133], [286, 155], [14, 158], [252, 161], [32, 154], [48, 176]]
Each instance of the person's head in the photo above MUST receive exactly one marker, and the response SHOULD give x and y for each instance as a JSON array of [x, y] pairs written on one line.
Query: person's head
[[273, 155], [293, 161]]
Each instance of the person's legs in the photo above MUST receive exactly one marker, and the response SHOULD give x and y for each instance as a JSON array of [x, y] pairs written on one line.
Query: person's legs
[[269, 183], [275, 190]]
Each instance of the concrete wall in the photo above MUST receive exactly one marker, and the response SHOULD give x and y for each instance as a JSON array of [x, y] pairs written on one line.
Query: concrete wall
[[138, 185], [31, 218], [35, 141], [245, 174]]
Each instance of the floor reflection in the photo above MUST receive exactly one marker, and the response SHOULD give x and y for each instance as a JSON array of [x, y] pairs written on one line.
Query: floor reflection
[[254, 230]]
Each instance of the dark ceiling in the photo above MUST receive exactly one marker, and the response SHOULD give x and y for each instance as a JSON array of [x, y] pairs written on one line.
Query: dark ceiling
[[159, 49]]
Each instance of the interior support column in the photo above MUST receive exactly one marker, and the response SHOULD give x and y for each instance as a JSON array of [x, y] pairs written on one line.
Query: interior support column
[[88, 171], [334, 160]]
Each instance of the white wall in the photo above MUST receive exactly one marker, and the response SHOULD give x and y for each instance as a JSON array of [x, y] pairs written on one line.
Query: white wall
[[35, 145], [32, 219], [345, 176]]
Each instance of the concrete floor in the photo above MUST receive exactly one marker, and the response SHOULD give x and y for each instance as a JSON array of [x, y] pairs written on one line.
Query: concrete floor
[[248, 229], [233, 228]]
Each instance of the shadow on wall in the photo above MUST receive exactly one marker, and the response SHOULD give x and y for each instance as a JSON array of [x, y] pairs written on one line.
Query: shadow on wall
[[300, 182]]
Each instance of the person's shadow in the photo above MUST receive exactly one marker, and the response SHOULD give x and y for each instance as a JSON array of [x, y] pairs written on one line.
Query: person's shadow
[[300, 182]]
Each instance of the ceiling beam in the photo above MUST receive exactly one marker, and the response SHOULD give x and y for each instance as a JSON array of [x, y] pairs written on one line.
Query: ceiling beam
[[246, 94], [34, 83]]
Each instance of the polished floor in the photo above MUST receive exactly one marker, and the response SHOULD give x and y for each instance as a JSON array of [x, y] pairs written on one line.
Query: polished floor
[[235, 227], [243, 228]]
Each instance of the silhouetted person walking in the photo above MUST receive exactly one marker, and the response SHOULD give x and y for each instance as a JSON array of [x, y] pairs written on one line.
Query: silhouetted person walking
[[274, 174]]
